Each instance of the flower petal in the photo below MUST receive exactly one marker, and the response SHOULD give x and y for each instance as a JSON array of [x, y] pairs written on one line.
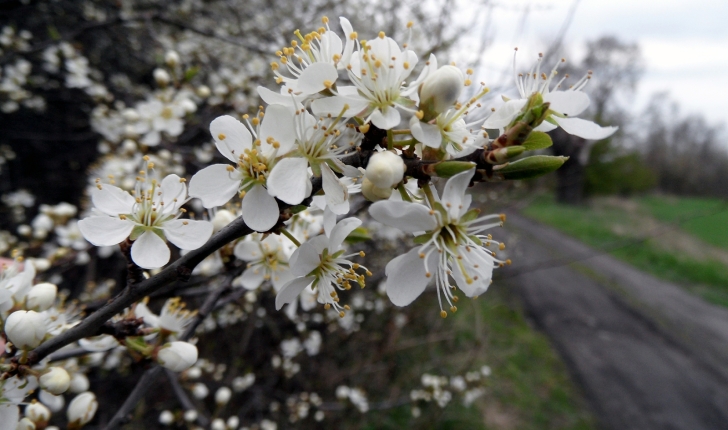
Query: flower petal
[[314, 78], [336, 193], [341, 231], [104, 230], [504, 114], [248, 250], [252, 277], [280, 278], [273, 98], [231, 137], [112, 200], [278, 125], [483, 272], [287, 180], [406, 216], [428, 134], [260, 210], [334, 105], [291, 290], [174, 193], [454, 191], [349, 45], [407, 278], [187, 233], [214, 185], [569, 103], [387, 119], [149, 251], [584, 129], [304, 259]]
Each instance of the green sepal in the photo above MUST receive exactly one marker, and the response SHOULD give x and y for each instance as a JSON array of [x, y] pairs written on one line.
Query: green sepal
[[537, 140], [191, 73], [470, 215], [298, 208], [138, 344], [423, 238], [530, 167], [476, 240], [447, 169], [360, 234]]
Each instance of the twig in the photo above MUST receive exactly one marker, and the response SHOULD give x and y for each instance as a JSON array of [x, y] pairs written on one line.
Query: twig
[[183, 398], [145, 382]]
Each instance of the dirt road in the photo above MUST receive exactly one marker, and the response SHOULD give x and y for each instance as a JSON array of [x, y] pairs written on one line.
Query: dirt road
[[648, 354]]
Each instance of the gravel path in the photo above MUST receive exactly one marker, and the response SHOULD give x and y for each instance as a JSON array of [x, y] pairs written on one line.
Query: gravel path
[[648, 354]]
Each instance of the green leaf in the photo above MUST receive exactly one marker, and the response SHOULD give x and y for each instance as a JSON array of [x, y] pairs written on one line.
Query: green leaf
[[530, 167], [537, 140], [360, 234]]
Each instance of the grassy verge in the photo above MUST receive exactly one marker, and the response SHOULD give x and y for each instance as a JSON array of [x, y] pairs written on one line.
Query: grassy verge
[[529, 387], [619, 228]]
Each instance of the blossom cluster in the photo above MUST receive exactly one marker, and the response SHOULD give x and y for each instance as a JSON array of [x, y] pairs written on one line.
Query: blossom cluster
[[350, 120]]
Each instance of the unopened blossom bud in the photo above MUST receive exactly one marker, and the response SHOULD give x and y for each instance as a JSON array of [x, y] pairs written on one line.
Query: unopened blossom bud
[[25, 424], [221, 219], [441, 90], [56, 380], [190, 415], [38, 413], [233, 422], [42, 296], [222, 395], [25, 329], [166, 418], [162, 77], [373, 193], [131, 115], [200, 391], [203, 91], [54, 403], [218, 424], [171, 58], [79, 383], [177, 356], [385, 169], [81, 410]]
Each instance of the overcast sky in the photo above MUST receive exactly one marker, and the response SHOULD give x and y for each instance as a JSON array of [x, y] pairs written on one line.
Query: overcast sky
[[684, 43]]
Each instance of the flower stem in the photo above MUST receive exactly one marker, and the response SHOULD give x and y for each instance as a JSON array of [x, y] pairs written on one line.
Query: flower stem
[[403, 193], [390, 139], [429, 195], [288, 234]]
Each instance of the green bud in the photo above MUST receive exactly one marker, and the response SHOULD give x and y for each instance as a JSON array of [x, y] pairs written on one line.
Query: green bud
[[446, 169], [502, 155], [529, 167], [537, 140]]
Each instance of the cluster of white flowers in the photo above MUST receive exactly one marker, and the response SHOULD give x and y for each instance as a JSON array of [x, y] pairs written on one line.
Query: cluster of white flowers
[[351, 116]]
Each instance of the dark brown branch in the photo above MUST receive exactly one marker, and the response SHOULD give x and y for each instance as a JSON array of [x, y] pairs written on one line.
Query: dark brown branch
[[122, 416]]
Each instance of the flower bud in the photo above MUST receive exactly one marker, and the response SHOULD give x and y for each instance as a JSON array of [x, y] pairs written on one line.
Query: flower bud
[[131, 115], [221, 219], [25, 424], [162, 77], [372, 193], [218, 424], [38, 413], [25, 329], [79, 383], [177, 356], [385, 169], [166, 418], [81, 410], [54, 403], [203, 91], [222, 395], [42, 296], [441, 90], [55, 380], [200, 391], [171, 58]]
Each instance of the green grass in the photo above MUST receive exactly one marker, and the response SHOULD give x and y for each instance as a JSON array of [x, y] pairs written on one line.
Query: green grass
[[529, 387], [597, 227], [707, 219]]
